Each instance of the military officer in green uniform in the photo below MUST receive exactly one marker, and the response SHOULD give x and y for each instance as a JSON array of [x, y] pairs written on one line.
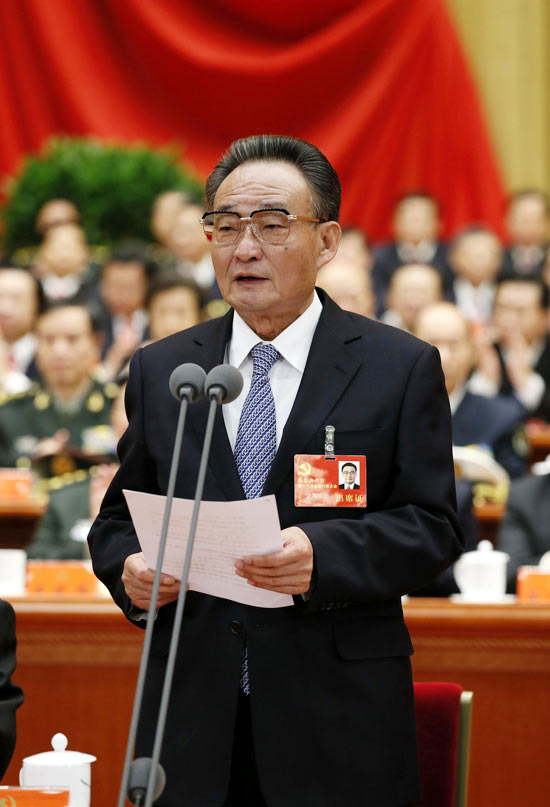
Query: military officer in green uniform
[[74, 501], [59, 423]]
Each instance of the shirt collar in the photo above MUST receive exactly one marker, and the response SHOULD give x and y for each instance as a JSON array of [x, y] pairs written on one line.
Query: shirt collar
[[293, 343], [456, 397]]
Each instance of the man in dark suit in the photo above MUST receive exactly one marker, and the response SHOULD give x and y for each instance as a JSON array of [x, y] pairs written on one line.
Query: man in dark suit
[[525, 529], [486, 422], [327, 714], [349, 474], [517, 365], [11, 696]]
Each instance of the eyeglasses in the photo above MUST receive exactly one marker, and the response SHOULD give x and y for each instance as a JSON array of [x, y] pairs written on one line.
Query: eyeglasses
[[271, 226]]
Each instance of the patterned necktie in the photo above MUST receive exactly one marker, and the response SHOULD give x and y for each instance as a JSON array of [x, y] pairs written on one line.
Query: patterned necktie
[[257, 433], [256, 441]]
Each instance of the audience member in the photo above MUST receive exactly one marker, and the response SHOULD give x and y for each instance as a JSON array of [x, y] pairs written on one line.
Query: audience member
[[354, 248], [528, 224], [416, 225], [56, 422], [166, 207], [55, 212], [348, 283], [412, 288], [21, 300], [517, 363], [11, 696], [192, 250], [487, 422], [173, 304], [524, 531], [62, 264], [123, 288], [475, 257], [75, 500]]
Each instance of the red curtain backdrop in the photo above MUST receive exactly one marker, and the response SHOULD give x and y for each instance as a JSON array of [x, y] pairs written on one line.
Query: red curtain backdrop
[[381, 86]]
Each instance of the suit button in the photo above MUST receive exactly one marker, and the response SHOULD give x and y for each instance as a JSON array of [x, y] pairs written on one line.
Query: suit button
[[236, 627]]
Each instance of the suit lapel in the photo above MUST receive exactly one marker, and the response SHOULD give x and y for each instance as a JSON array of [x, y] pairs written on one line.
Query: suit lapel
[[210, 348], [330, 367]]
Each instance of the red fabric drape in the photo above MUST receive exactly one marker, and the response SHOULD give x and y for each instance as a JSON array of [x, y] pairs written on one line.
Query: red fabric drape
[[380, 85]]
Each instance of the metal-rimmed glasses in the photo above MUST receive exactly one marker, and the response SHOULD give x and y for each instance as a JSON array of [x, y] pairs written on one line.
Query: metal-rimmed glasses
[[271, 225]]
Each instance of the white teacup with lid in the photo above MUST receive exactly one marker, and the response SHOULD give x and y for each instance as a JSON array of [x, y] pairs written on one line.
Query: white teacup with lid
[[481, 574], [60, 767]]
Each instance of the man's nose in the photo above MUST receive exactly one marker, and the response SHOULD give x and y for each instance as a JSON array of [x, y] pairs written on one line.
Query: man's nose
[[248, 245]]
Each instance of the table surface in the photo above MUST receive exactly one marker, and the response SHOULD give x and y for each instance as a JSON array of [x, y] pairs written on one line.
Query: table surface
[[78, 658]]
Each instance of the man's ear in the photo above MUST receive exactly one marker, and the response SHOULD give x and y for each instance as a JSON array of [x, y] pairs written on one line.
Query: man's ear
[[330, 233]]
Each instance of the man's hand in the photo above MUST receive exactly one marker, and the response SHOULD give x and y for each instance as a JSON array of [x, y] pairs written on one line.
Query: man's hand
[[138, 582], [287, 571]]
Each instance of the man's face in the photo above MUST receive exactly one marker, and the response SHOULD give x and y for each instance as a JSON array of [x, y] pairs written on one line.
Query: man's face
[[517, 312], [173, 310], [123, 287], [413, 288], [528, 222], [416, 220], [348, 473], [186, 238], [67, 348], [64, 250], [443, 327], [477, 257], [270, 280], [18, 304], [349, 286]]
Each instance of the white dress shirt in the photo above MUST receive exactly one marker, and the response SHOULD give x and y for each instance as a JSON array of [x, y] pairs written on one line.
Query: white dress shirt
[[286, 374]]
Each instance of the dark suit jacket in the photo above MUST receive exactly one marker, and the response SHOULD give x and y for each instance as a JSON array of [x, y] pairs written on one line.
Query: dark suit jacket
[[542, 367], [490, 422], [355, 487], [10, 695], [525, 529], [331, 698]]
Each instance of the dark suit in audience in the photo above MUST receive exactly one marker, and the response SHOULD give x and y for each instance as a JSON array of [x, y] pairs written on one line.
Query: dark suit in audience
[[523, 263], [10, 695], [490, 422], [542, 367], [387, 259], [525, 529]]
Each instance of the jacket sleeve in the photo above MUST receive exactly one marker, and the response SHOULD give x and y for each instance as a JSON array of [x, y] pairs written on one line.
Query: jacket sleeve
[[112, 536], [11, 696], [394, 550]]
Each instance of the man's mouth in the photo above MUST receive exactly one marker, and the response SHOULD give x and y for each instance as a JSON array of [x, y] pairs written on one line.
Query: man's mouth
[[249, 279]]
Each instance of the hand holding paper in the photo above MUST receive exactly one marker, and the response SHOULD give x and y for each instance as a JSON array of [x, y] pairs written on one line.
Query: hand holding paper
[[226, 533]]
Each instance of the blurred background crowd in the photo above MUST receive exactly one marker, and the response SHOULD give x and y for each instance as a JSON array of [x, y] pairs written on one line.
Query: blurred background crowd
[[70, 323]]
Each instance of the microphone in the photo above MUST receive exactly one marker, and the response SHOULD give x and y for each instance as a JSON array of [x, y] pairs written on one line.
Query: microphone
[[139, 776], [224, 383], [187, 380], [187, 386]]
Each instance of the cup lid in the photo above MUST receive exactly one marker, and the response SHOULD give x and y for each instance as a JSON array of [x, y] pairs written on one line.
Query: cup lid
[[59, 756]]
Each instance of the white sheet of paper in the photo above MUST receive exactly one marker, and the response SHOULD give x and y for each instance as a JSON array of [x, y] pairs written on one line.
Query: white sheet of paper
[[226, 531]]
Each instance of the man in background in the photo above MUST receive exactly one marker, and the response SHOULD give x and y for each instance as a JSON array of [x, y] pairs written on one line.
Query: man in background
[[528, 224], [514, 354], [57, 421], [489, 423]]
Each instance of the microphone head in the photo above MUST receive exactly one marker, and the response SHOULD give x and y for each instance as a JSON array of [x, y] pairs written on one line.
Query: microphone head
[[226, 378], [138, 778], [187, 375]]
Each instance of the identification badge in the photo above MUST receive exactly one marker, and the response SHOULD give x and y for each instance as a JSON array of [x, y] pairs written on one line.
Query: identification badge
[[325, 480]]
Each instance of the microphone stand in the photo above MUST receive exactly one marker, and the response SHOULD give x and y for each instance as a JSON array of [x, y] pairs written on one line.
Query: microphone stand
[[216, 395], [186, 395]]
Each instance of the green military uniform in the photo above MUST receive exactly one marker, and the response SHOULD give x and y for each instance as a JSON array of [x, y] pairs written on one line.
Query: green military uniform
[[28, 417], [59, 535]]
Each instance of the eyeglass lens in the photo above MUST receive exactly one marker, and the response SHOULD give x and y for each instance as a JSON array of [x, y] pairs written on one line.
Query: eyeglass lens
[[271, 226]]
